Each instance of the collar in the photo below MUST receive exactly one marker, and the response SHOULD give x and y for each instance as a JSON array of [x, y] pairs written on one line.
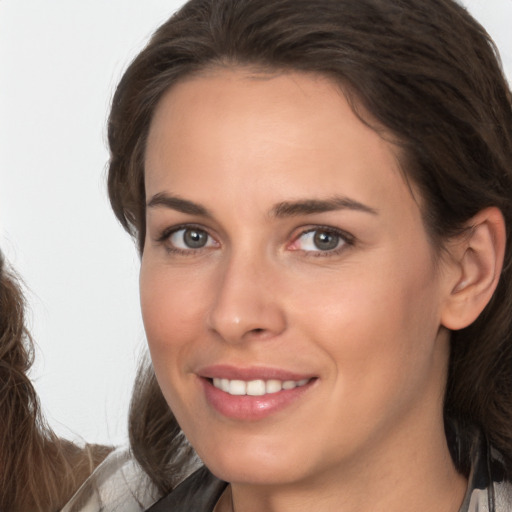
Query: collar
[[198, 492], [488, 490]]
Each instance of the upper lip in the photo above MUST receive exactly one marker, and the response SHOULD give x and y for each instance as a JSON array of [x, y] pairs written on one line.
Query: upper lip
[[225, 371]]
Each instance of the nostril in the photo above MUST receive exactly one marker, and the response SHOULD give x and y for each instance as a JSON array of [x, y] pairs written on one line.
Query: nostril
[[243, 319]]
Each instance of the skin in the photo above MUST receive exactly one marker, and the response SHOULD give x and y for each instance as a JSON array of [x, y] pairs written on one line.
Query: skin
[[365, 318]]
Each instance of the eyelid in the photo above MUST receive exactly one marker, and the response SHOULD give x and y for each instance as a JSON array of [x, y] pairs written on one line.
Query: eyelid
[[166, 234], [346, 238]]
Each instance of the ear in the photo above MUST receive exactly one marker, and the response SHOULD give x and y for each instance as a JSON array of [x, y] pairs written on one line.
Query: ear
[[475, 268]]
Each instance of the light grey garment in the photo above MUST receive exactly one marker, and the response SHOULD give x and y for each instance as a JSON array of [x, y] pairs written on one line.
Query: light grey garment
[[117, 485]]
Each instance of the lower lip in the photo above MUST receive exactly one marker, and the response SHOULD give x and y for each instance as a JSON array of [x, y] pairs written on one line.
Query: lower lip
[[252, 408]]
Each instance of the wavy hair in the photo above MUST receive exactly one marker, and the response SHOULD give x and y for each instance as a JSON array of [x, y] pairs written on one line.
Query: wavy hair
[[424, 72], [38, 471]]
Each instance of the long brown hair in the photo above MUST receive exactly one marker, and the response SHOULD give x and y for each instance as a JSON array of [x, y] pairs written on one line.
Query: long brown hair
[[38, 471], [424, 71]]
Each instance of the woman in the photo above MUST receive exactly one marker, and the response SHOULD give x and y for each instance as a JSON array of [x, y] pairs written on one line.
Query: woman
[[321, 195]]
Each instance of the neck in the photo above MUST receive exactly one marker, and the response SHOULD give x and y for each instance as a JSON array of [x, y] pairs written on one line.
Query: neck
[[421, 477]]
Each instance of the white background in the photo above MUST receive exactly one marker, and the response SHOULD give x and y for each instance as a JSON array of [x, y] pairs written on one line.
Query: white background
[[59, 63]]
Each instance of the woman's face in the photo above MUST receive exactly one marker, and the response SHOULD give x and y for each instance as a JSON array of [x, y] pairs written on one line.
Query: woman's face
[[289, 292]]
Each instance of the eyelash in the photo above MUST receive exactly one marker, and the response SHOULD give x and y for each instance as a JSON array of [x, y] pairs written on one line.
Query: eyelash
[[347, 240], [167, 233]]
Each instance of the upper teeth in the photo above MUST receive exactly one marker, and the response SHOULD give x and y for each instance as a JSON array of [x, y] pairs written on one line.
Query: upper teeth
[[256, 387]]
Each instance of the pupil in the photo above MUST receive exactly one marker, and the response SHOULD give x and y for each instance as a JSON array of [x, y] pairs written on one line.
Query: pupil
[[194, 238], [326, 241]]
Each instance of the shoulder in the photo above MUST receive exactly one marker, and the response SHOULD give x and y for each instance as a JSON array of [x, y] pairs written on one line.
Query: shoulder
[[117, 484], [503, 496], [501, 492], [489, 490]]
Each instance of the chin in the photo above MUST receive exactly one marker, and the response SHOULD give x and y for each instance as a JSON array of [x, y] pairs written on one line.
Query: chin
[[255, 463], [254, 474]]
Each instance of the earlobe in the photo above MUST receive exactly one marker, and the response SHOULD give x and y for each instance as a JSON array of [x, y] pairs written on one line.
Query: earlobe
[[477, 262]]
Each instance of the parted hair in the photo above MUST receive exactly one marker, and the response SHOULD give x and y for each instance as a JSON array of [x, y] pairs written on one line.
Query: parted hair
[[425, 75]]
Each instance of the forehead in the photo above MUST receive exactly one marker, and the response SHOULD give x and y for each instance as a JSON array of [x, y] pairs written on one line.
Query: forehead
[[230, 127]]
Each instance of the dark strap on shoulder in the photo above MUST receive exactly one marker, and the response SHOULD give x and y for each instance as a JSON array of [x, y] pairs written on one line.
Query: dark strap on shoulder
[[198, 493]]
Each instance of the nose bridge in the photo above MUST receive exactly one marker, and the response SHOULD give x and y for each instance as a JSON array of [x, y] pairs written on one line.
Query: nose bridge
[[246, 302]]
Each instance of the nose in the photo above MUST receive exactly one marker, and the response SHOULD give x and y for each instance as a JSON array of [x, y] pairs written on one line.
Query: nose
[[247, 303]]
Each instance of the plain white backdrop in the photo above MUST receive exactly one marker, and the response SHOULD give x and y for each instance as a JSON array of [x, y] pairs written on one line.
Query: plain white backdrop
[[59, 63]]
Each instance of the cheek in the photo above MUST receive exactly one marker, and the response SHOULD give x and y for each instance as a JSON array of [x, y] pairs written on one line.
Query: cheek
[[172, 309], [377, 324]]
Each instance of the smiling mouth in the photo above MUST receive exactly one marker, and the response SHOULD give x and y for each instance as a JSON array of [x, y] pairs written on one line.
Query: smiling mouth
[[257, 387]]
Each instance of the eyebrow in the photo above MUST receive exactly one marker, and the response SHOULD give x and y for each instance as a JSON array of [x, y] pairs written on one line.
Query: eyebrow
[[312, 206], [177, 203], [280, 210]]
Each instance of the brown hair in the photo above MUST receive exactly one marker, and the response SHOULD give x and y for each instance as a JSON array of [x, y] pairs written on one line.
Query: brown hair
[[427, 72], [38, 471]]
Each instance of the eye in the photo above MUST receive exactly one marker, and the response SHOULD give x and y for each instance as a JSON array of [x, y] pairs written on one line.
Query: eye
[[320, 240], [190, 238]]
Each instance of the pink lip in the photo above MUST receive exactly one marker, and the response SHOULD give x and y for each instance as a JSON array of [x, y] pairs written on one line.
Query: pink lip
[[251, 408]]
